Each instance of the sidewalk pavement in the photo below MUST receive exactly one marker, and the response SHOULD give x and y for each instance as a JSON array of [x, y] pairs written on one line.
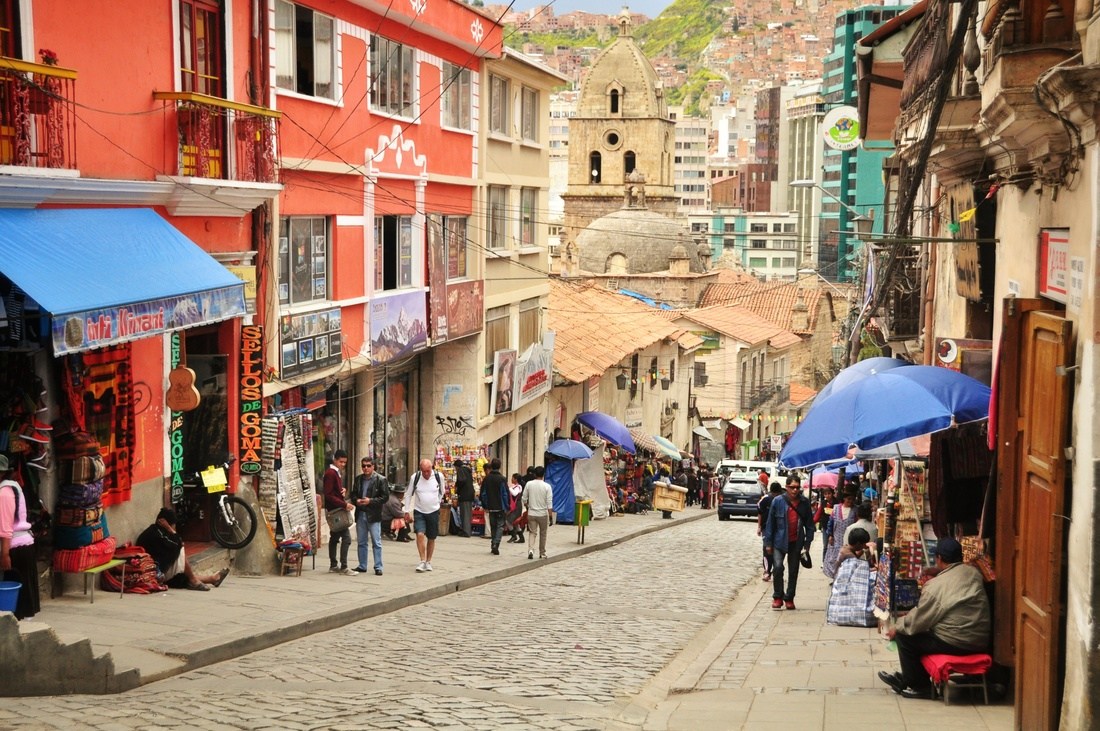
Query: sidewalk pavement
[[769, 669], [169, 633]]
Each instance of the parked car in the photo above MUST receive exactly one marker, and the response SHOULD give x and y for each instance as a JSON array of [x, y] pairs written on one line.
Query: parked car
[[741, 492]]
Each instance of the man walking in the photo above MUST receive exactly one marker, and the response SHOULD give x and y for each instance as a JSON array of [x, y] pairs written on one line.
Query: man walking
[[336, 499], [464, 486], [422, 501], [538, 501], [788, 530], [494, 499], [371, 493]]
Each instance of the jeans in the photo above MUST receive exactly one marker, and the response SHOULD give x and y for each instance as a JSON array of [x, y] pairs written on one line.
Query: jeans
[[465, 516], [496, 523], [910, 650], [366, 531], [344, 539], [789, 555], [538, 524]]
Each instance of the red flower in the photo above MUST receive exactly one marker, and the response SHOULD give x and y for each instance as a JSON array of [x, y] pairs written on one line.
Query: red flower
[[48, 57]]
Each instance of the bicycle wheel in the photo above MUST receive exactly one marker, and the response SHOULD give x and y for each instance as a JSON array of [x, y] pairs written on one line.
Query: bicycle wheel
[[233, 523]]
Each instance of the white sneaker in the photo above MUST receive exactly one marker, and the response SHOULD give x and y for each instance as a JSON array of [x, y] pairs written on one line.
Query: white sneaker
[[422, 567], [427, 565]]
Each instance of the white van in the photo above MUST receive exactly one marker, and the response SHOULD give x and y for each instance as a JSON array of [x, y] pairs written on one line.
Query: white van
[[777, 474]]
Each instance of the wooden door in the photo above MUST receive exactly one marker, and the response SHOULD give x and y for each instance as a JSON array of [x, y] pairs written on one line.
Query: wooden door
[[1041, 491]]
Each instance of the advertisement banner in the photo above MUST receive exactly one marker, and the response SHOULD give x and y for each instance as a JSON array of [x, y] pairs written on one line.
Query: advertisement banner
[[398, 326], [1054, 264], [534, 373], [122, 323], [437, 279], [310, 341], [465, 308], [175, 427], [504, 381], [252, 393]]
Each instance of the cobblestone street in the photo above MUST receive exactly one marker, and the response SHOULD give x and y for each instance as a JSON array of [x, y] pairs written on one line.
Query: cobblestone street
[[567, 646]]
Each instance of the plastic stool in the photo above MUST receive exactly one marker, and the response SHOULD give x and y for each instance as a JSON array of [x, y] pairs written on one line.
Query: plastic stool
[[975, 668]]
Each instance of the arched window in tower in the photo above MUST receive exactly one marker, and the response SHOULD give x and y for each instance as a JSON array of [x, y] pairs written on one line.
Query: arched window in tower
[[616, 264], [614, 101], [595, 168], [628, 162]]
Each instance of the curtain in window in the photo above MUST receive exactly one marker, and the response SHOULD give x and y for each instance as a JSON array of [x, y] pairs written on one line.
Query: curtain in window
[[322, 56], [496, 332], [284, 45], [529, 323]]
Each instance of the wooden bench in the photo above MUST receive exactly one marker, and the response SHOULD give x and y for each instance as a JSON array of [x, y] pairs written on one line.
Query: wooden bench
[[92, 571]]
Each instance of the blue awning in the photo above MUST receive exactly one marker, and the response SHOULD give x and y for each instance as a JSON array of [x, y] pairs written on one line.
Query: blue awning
[[113, 275]]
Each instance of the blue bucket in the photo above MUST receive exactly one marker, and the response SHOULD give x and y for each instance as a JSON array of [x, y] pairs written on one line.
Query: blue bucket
[[9, 594]]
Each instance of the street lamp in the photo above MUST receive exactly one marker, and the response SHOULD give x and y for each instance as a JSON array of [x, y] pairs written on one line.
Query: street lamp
[[863, 225]]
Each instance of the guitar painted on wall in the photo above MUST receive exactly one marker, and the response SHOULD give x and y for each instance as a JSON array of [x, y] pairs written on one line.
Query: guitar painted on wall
[[182, 394]]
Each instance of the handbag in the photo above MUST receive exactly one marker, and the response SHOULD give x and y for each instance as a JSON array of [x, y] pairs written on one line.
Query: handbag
[[805, 560], [339, 520]]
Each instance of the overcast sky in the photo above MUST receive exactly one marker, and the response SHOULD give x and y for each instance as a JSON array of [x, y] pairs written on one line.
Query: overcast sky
[[652, 8]]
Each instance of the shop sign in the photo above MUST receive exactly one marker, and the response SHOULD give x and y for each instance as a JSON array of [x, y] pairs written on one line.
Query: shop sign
[[123, 323], [504, 380], [314, 396], [252, 391], [1076, 282], [437, 279], [465, 308], [840, 128], [967, 270], [709, 337], [398, 326], [310, 341], [175, 429], [246, 274], [1054, 264], [633, 418], [534, 370]]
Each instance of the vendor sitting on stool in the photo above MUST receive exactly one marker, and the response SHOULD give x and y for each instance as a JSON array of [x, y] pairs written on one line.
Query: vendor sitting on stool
[[161, 541], [951, 618]]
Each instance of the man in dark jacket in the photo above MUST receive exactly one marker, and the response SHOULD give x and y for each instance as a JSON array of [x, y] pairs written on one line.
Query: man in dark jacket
[[494, 499], [788, 530], [370, 493], [464, 486]]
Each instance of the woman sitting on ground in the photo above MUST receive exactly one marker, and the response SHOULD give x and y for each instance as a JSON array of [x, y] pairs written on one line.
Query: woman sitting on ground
[[852, 600]]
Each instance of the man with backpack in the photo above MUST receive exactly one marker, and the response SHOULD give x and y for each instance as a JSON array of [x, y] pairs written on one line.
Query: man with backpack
[[422, 501]]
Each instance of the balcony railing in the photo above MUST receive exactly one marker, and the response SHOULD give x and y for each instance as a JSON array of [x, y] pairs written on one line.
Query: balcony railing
[[37, 115], [223, 140]]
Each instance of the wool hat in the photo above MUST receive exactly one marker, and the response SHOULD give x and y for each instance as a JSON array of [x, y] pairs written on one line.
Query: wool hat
[[949, 550]]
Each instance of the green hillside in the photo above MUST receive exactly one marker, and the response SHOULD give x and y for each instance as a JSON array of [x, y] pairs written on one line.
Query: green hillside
[[684, 29], [550, 41]]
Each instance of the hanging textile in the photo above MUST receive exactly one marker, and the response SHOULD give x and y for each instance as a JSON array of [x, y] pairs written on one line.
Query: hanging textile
[[104, 394], [285, 486]]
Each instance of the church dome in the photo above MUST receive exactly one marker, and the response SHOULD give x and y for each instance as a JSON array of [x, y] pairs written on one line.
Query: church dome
[[622, 70], [637, 240]]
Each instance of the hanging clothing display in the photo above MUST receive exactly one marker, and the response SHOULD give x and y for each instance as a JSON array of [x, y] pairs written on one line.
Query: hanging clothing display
[[286, 486]]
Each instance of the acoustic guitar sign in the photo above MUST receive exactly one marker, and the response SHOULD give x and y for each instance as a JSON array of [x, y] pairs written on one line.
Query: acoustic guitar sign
[[182, 394]]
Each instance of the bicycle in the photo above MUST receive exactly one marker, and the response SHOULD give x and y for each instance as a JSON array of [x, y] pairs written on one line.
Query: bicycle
[[233, 523]]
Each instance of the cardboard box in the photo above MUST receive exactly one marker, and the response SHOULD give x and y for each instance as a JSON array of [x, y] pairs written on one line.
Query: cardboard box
[[669, 497]]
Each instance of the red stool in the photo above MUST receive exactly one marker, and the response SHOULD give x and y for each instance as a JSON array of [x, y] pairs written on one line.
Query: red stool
[[974, 667]]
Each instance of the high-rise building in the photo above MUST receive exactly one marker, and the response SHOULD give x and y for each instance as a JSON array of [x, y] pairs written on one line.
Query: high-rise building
[[689, 161]]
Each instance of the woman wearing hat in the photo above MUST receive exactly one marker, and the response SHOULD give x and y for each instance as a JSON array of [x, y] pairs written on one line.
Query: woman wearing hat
[[17, 561], [393, 514]]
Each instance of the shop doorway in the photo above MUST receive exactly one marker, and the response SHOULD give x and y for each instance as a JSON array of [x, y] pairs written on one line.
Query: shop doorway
[[1032, 504], [394, 441]]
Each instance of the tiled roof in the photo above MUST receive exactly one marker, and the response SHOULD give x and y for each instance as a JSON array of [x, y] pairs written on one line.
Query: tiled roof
[[595, 329], [743, 324], [773, 301], [801, 394]]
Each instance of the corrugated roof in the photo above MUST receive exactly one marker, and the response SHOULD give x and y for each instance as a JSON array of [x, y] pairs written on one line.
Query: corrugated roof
[[773, 301], [595, 329], [743, 324]]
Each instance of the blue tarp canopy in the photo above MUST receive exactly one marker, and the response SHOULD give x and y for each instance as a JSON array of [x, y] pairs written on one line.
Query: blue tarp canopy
[[110, 275], [559, 473]]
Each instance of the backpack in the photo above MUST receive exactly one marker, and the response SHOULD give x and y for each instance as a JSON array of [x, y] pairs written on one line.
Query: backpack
[[438, 481]]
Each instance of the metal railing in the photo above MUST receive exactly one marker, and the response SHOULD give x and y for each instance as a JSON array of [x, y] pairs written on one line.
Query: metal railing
[[37, 115], [223, 140]]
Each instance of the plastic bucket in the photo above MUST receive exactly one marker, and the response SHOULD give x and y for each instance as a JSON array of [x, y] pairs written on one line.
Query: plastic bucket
[[9, 594]]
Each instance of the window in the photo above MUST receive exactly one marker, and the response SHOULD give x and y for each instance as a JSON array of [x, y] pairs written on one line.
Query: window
[[303, 260], [595, 167], [758, 227], [758, 262], [777, 228], [10, 33], [614, 101], [729, 228], [498, 105], [304, 50], [758, 243], [497, 332], [454, 231], [393, 77], [456, 96], [497, 217], [529, 321], [528, 198], [700, 373], [629, 162], [393, 252], [788, 228], [529, 114], [200, 47]]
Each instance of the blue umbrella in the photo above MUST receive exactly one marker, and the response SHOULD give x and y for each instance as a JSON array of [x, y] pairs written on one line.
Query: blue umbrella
[[883, 408], [569, 449], [609, 428], [859, 371]]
